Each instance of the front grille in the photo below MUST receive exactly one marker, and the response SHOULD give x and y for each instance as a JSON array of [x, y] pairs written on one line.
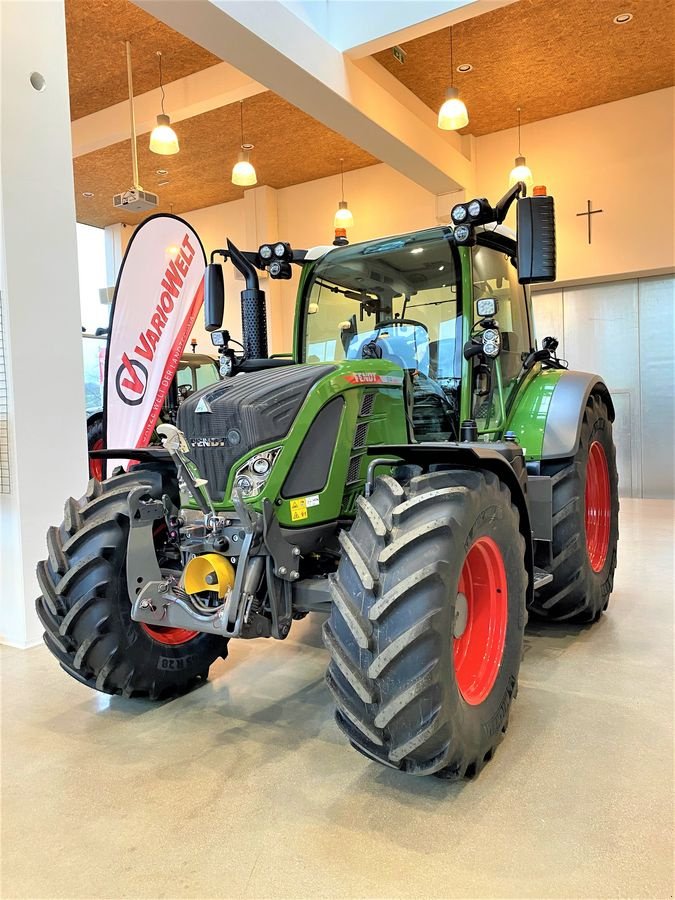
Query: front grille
[[354, 469], [247, 411], [367, 405], [360, 435]]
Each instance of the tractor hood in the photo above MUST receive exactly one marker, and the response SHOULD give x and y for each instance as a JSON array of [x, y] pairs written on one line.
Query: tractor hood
[[225, 421]]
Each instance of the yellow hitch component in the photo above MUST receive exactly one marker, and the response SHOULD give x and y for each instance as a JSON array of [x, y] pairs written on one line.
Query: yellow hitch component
[[210, 572]]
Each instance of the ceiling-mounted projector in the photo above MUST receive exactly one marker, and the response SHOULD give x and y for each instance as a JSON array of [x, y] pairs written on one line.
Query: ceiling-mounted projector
[[136, 200]]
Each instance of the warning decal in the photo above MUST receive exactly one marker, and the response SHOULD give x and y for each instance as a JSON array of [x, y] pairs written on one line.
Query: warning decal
[[298, 509]]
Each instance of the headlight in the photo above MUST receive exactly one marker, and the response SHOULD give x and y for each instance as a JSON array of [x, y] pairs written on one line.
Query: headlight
[[486, 306], [265, 251], [491, 342], [261, 465], [280, 250], [462, 233], [458, 213], [474, 208], [250, 478]]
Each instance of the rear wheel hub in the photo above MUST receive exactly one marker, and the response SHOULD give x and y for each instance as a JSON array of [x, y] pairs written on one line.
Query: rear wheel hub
[[598, 506]]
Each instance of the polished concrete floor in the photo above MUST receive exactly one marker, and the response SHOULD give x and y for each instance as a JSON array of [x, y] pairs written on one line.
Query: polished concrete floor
[[245, 788]]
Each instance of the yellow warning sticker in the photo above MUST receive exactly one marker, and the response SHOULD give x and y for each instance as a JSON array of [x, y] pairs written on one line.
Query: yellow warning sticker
[[298, 509]]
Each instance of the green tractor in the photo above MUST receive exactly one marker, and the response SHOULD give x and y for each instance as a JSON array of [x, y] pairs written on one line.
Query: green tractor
[[419, 472]]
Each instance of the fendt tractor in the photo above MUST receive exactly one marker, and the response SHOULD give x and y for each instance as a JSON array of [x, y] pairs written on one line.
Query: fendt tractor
[[419, 471]]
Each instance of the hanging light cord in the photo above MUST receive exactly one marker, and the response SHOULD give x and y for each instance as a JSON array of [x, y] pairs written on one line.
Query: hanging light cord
[[342, 178], [519, 153], [161, 83], [452, 70], [241, 114]]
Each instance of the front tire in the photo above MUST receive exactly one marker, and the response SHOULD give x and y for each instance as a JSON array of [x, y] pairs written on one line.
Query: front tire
[[585, 524], [426, 625], [85, 607]]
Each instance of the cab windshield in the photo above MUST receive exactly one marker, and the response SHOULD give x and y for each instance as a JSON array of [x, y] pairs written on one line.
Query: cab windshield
[[394, 298]]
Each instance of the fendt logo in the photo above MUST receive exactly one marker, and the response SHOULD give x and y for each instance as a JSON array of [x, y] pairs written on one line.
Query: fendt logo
[[131, 380]]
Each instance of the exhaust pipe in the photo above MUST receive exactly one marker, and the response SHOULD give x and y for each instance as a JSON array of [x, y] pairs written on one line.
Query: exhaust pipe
[[253, 312]]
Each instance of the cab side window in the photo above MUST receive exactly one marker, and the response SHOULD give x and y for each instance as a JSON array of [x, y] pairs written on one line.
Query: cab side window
[[495, 276]]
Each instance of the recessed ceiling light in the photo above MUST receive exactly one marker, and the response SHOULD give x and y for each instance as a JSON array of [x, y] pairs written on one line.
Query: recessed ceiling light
[[87, 194], [162, 183], [465, 67], [622, 18], [162, 172]]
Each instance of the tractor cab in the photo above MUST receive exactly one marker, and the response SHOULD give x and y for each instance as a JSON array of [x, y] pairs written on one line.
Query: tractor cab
[[419, 300]]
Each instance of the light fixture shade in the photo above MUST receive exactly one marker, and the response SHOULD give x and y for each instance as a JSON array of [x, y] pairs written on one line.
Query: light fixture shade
[[452, 115], [521, 172], [243, 172], [343, 216], [163, 139]]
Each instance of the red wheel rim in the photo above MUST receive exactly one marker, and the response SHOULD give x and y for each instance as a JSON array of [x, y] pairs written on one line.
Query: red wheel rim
[[96, 465], [478, 651], [172, 636], [598, 506]]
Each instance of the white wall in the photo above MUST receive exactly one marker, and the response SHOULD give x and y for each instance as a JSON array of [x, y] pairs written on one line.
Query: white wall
[[619, 155]]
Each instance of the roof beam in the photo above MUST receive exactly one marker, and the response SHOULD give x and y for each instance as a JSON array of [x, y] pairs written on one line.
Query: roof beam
[[266, 41], [186, 97]]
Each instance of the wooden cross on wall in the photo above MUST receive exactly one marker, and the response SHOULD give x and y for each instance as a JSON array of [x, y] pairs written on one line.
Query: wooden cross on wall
[[590, 212]]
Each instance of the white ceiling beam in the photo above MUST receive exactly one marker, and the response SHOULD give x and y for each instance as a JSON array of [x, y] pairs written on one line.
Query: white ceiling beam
[[266, 41], [186, 97]]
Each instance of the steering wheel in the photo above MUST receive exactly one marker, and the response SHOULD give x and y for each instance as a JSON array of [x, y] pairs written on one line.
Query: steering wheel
[[373, 350]]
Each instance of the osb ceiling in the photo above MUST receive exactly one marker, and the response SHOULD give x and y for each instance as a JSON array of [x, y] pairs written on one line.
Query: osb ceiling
[[96, 31], [547, 57], [290, 148]]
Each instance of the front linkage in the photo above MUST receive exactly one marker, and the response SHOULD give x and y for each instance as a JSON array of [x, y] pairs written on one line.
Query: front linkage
[[230, 558]]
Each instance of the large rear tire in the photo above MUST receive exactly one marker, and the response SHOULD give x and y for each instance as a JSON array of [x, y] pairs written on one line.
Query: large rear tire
[[85, 607], [585, 524], [427, 619]]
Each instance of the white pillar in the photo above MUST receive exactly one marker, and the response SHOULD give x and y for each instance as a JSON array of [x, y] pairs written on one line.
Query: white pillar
[[40, 304]]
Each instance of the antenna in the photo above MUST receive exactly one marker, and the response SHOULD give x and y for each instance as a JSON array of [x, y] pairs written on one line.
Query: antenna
[[132, 117]]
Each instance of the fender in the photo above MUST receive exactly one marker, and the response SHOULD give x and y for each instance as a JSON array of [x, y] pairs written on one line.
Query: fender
[[566, 412], [475, 456]]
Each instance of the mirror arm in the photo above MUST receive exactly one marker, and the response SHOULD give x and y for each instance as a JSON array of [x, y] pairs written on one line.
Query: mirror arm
[[504, 205]]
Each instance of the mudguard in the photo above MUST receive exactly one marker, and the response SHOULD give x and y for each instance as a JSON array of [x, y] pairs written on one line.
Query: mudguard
[[566, 411]]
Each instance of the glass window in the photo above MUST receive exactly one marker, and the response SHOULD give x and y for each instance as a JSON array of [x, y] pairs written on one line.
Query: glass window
[[206, 374], [494, 275], [393, 299]]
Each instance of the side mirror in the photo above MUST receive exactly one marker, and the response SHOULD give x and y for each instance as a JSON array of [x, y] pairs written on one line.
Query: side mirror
[[214, 297], [536, 240]]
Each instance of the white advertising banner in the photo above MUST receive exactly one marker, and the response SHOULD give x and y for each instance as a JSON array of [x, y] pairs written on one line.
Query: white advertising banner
[[159, 291]]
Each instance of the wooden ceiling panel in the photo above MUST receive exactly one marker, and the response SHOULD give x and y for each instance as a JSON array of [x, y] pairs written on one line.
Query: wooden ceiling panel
[[547, 57], [96, 31], [290, 148]]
